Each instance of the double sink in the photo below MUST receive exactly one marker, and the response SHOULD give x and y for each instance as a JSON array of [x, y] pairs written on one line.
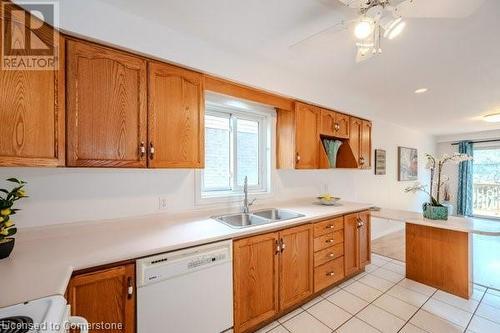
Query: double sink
[[265, 216]]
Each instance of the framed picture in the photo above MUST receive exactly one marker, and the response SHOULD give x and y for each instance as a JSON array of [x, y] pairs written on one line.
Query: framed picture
[[407, 164], [380, 161]]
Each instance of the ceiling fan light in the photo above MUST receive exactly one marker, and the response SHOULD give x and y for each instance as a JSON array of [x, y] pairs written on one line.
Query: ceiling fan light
[[492, 118], [363, 29], [397, 30]]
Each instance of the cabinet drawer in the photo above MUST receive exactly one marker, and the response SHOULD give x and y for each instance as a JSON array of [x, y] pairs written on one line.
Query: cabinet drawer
[[329, 273], [327, 226], [328, 254], [327, 240]]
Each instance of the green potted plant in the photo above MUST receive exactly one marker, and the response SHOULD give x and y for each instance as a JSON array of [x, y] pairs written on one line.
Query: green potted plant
[[434, 209], [7, 226]]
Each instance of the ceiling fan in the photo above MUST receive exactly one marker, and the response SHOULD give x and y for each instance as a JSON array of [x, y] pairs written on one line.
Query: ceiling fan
[[375, 20]]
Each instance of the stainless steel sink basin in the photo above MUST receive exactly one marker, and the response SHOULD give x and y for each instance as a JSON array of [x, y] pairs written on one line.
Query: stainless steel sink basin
[[276, 214], [243, 220]]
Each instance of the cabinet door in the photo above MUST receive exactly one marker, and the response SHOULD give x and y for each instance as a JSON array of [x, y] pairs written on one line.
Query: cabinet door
[[342, 124], [355, 137], [364, 239], [104, 296], [296, 265], [327, 123], [255, 280], [366, 144], [307, 136], [32, 108], [176, 117], [107, 112], [351, 248]]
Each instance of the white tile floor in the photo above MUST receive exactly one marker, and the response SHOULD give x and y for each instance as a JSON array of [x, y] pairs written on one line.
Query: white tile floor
[[382, 300]]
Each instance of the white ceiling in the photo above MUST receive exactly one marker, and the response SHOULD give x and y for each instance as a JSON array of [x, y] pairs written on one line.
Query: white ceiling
[[457, 59]]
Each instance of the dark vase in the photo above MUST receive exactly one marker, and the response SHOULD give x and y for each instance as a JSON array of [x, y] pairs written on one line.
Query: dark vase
[[6, 247]]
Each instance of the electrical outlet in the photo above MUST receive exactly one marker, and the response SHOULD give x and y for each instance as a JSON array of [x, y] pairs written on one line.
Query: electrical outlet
[[162, 203]]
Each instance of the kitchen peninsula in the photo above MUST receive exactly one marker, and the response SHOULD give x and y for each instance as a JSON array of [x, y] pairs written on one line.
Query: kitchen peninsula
[[439, 253]]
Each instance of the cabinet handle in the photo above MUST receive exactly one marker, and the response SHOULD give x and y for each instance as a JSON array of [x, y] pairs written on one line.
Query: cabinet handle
[[282, 246], [330, 274], [337, 126], [298, 157], [142, 149], [130, 288], [362, 160], [329, 241], [330, 226], [151, 150], [278, 249], [331, 255]]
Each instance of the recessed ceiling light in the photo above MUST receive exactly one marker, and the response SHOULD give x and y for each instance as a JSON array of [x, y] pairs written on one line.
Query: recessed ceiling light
[[421, 90], [492, 118]]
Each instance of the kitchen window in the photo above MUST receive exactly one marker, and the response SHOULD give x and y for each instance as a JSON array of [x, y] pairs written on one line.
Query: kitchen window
[[236, 146], [486, 181]]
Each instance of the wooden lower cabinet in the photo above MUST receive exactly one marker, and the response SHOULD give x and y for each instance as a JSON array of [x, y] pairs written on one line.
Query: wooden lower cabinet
[[272, 273], [105, 296], [255, 274], [296, 265], [357, 250], [329, 273]]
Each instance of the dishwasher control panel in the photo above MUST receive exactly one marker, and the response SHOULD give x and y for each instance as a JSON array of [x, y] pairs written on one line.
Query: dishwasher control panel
[[173, 264]]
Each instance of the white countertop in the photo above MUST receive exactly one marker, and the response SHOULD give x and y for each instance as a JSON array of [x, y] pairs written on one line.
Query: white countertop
[[44, 258], [463, 224]]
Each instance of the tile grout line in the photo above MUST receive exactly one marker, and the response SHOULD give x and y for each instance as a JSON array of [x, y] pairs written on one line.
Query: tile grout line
[[369, 303], [420, 308], [478, 305]]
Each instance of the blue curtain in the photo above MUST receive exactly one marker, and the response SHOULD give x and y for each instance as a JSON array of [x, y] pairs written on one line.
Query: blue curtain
[[464, 198]]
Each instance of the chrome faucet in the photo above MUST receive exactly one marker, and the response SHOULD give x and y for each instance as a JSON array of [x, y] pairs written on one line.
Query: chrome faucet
[[246, 205]]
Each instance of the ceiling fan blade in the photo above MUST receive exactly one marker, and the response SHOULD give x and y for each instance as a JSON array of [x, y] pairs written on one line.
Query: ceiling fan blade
[[436, 9], [355, 3], [341, 26]]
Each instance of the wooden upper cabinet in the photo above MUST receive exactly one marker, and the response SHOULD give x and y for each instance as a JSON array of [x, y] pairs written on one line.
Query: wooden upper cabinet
[[360, 140], [342, 125], [334, 124], [296, 265], [364, 239], [327, 123], [106, 107], [355, 137], [176, 117], [105, 296], [307, 141], [255, 274], [351, 248], [32, 109], [366, 144]]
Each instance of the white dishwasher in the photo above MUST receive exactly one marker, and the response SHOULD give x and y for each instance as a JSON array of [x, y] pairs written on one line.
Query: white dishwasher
[[186, 291]]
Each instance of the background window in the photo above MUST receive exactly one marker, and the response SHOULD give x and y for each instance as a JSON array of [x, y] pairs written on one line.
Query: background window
[[235, 147], [486, 182]]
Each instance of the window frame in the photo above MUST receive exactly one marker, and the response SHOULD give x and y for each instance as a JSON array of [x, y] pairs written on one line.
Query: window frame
[[263, 117], [484, 146]]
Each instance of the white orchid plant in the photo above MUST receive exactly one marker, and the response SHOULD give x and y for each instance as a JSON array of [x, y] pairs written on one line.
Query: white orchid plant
[[436, 165]]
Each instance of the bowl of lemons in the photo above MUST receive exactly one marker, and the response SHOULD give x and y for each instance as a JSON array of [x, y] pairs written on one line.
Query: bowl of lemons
[[327, 199]]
